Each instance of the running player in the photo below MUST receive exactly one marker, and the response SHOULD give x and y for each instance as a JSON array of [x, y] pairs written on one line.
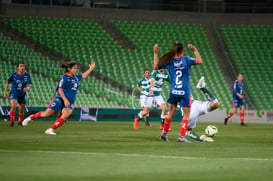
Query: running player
[[199, 108], [145, 100], [238, 99], [21, 83], [65, 98], [178, 67]]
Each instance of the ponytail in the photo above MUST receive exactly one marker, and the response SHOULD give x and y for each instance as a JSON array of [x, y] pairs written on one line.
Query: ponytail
[[165, 59]]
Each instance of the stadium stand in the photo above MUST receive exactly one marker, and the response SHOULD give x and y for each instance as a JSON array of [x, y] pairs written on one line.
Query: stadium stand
[[92, 93], [83, 40], [249, 47]]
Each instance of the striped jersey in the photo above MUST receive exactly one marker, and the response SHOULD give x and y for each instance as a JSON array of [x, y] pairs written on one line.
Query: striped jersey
[[145, 85], [159, 78]]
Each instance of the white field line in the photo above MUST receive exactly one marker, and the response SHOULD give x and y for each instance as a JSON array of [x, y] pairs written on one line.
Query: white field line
[[134, 155]]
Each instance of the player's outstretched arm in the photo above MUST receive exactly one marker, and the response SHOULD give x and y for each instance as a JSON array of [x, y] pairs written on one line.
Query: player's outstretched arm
[[196, 53], [91, 67], [156, 50]]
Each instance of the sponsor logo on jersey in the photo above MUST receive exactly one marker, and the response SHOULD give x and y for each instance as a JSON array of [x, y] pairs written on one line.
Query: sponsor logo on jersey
[[178, 92]]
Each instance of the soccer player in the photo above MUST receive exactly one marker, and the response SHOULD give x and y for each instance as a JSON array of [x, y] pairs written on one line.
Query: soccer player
[[199, 108], [21, 83], [238, 99], [65, 98], [145, 99], [178, 67], [158, 78]]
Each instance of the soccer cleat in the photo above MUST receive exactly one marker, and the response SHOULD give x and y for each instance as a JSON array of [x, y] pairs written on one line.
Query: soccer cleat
[[201, 84], [12, 124], [26, 121], [193, 135], [20, 124], [243, 124], [163, 136], [50, 131], [225, 122], [204, 138], [182, 139], [162, 127], [136, 122], [148, 125]]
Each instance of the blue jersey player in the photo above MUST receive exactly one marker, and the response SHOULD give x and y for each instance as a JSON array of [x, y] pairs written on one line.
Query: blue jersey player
[[64, 100], [238, 99], [178, 67], [21, 83]]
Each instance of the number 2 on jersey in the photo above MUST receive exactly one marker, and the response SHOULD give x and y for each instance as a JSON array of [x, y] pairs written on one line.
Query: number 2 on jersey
[[178, 82]]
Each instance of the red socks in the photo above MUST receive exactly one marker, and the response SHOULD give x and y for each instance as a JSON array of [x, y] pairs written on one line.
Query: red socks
[[242, 117], [167, 124], [184, 127], [229, 115], [60, 121], [12, 116], [20, 118], [36, 116]]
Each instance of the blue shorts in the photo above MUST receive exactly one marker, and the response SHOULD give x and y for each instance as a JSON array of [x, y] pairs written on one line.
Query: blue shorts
[[57, 104], [238, 102], [21, 99], [182, 101]]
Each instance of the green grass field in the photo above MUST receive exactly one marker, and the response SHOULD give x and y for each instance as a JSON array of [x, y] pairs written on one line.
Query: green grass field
[[115, 151]]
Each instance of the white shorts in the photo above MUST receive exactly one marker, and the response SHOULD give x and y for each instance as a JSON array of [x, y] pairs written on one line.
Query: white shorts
[[146, 101], [198, 108], [158, 100]]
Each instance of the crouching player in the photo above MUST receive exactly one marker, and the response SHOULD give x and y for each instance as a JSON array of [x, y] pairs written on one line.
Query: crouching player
[[199, 108]]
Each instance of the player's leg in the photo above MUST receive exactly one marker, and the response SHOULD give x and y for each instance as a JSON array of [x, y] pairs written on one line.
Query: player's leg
[[21, 113], [234, 110], [168, 120], [147, 104], [13, 104], [184, 124], [66, 112], [194, 114], [242, 115]]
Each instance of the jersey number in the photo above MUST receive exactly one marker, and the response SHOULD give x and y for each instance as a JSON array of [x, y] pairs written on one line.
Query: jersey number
[[178, 76]]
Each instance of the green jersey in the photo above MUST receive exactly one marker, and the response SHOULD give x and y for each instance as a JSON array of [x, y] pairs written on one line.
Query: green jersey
[[159, 78], [145, 85]]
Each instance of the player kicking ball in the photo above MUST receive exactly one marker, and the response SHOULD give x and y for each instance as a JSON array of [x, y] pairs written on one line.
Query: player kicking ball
[[199, 108]]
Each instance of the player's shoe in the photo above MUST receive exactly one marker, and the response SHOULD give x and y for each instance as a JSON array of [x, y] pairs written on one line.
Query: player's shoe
[[163, 136], [204, 138], [50, 131], [148, 125], [201, 84], [162, 127], [243, 124], [182, 139], [20, 124], [136, 122], [225, 122], [26, 121], [12, 124]]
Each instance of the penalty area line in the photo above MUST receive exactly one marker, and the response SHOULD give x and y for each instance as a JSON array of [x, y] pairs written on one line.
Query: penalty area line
[[134, 155]]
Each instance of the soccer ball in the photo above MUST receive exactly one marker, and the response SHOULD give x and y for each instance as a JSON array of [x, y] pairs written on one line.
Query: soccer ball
[[211, 130]]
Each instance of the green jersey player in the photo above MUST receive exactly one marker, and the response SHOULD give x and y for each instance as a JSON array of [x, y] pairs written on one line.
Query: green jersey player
[[143, 86]]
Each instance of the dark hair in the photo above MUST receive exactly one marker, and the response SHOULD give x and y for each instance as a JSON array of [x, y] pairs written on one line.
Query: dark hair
[[164, 59], [20, 63], [147, 70], [69, 64]]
